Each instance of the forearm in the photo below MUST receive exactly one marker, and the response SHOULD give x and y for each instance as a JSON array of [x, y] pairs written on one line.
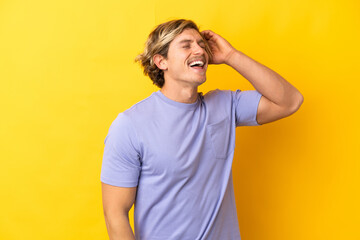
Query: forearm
[[266, 81], [118, 227]]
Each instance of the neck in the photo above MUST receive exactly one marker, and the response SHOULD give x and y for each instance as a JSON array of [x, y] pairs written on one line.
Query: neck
[[184, 94]]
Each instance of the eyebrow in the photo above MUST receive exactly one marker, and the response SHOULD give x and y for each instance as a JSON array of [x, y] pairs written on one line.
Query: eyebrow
[[189, 41]]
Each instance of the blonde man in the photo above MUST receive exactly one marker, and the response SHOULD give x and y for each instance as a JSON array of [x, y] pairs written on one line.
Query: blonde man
[[171, 154]]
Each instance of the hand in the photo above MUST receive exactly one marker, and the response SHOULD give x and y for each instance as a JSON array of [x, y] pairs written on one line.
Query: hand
[[220, 48]]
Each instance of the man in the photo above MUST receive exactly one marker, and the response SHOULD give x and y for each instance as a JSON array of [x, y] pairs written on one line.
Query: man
[[171, 154]]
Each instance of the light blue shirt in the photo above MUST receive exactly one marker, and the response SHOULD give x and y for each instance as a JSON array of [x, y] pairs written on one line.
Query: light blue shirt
[[180, 156]]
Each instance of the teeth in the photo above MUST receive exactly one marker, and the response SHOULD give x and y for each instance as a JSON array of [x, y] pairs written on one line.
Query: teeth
[[201, 63]]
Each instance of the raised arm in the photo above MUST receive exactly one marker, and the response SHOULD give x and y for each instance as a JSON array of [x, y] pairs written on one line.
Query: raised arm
[[280, 99], [117, 202]]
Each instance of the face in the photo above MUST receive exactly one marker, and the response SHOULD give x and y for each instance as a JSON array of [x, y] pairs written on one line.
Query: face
[[187, 59]]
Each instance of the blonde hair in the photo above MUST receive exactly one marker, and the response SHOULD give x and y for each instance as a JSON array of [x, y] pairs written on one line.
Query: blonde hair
[[158, 42]]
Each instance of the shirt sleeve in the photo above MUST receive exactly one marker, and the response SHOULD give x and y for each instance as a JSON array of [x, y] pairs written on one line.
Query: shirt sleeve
[[246, 105], [121, 164]]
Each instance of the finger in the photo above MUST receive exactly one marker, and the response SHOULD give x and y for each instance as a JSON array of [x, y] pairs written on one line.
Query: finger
[[207, 31], [207, 34]]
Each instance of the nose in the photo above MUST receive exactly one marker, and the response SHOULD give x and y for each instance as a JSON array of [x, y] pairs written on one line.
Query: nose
[[198, 50]]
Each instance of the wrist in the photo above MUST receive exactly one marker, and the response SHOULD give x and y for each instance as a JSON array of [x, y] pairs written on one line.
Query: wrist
[[232, 57]]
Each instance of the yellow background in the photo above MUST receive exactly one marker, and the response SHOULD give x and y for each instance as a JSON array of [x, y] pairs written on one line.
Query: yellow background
[[67, 70]]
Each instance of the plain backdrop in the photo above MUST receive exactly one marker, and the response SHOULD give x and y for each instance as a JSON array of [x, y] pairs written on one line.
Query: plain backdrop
[[67, 69]]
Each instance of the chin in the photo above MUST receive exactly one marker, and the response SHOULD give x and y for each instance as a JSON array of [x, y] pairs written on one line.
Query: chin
[[200, 81], [204, 80]]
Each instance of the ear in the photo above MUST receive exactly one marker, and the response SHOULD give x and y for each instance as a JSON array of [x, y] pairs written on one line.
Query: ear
[[160, 61]]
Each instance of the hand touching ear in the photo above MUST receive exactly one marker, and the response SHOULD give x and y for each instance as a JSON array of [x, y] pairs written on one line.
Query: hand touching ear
[[220, 48]]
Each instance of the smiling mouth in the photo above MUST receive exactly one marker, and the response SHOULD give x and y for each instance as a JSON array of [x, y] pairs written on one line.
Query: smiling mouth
[[197, 64]]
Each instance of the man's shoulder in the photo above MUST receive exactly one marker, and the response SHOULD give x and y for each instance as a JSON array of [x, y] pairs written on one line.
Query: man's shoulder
[[218, 95], [141, 106], [219, 103], [128, 118], [136, 111]]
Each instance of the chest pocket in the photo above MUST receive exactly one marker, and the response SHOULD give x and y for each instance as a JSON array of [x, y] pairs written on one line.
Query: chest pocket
[[220, 137]]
